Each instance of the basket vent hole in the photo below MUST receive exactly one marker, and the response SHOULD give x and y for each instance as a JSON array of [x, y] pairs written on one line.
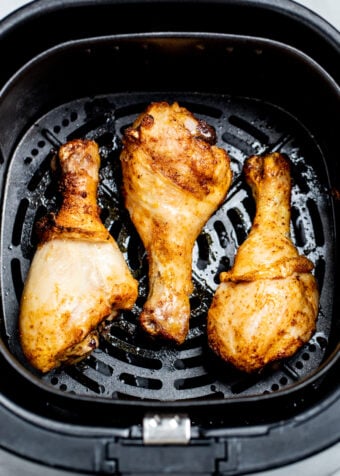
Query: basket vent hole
[[51, 191], [130, 110], [136, 381], [322, 341], [105, 140], [299, 232], [115, 228], [320, 271], [73, 116], [80, 377], [99, 366], [17, 278], [19, 221], [41, 212], [135, 252], [193, 382], [236, 218], [91, 129], [221, 233], [240, 386], [249, 128], [317, 223], [132, 358], [39, 174], [202, 109], [191, 362], [238, 142], [203, 251]]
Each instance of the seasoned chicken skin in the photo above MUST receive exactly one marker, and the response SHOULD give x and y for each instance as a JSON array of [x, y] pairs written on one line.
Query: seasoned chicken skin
[[266, 306], [174, 179], [78, 276]]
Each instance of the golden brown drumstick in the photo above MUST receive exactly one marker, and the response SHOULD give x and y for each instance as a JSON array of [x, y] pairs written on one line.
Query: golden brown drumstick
[[174, 179], [78, 276], [266, 306]]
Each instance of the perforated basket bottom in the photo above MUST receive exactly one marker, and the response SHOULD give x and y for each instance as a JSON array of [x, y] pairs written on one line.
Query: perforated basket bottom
[[128, 364]]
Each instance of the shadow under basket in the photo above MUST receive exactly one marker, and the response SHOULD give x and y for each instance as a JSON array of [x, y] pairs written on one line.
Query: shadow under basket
[[261, 96]]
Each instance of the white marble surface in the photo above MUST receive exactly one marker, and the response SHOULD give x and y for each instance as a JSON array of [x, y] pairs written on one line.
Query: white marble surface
[[328, 9], [326, 463]]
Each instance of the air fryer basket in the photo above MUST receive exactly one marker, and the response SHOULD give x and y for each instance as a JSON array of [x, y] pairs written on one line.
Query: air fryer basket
[[127, 364], [260, 95]]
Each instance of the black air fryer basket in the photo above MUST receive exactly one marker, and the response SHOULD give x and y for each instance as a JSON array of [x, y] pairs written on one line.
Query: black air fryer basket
[[266, 76]]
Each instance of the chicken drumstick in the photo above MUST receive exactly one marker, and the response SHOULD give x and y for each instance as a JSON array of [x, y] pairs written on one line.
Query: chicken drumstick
[[266, 306], [174, 179], [78, 276]]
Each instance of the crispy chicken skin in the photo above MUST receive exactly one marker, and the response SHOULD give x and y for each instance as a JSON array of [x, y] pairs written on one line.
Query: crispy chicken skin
[[266, 306], [78, 276], [174, 179]]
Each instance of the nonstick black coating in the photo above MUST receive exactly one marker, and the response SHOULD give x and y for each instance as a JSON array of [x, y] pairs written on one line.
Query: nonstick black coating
[[246, 89], [127, 364]]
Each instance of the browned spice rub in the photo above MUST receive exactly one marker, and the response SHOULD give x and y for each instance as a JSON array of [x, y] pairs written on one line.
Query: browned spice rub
[[174, 179], [266, 306], [78, 276]]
